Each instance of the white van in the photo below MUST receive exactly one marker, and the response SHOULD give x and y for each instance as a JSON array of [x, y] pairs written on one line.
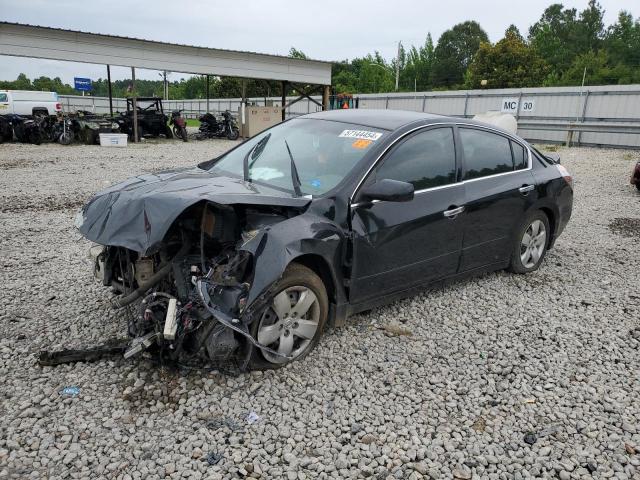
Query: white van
[[26, 102]]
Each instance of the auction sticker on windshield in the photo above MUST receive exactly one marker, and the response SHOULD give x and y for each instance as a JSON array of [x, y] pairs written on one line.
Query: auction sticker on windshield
[[362, 134], [360, 143]]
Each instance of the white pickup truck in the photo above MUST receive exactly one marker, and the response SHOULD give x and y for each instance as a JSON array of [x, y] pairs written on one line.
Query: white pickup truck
[[26, 102]]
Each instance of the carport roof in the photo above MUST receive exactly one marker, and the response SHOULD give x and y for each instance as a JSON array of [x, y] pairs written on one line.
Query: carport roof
[[36, 41]]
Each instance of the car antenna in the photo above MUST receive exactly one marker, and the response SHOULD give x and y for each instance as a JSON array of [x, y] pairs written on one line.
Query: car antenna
[[295, 179]]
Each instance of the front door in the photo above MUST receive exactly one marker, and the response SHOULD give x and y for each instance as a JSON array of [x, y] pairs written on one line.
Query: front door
[[398, 245]]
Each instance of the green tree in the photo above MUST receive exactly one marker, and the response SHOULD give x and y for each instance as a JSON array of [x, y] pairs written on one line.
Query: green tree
[[416, 73], [295, 53], [510, 63], [454, 53], [622, 41]]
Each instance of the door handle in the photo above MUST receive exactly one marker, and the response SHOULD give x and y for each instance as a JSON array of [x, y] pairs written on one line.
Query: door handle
[[454, 212], [526, 189]]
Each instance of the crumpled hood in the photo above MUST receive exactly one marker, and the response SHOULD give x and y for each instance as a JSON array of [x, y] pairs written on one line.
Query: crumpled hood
[[138, 212]]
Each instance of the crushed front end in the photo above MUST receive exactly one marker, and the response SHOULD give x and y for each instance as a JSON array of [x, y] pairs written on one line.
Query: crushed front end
[[187, 303]]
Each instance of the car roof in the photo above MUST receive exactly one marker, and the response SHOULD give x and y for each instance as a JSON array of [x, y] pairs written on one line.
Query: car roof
[[385, 119], [395, 119]]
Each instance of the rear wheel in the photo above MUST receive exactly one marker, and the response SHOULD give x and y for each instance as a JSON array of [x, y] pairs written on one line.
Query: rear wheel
[[233, 133], [531, 243], [292, 322]]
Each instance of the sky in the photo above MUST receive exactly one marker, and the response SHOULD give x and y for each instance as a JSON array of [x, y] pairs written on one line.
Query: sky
[[327, 30]]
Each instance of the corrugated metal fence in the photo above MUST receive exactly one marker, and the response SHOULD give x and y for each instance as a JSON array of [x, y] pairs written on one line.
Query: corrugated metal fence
[[603, 115]]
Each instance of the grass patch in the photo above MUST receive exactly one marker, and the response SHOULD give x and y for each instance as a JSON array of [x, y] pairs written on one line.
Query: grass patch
[[192, 122]]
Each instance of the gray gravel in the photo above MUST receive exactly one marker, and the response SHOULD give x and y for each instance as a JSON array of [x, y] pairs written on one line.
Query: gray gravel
[[448, 384]]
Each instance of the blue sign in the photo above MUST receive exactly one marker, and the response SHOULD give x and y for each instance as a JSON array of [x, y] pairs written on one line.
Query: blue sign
[[82, 84]]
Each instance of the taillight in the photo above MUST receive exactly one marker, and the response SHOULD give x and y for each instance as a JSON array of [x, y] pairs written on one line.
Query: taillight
[[58, 106], [565, 174]]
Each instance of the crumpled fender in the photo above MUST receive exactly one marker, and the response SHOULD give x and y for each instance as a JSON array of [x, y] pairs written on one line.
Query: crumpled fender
[[273, 248]]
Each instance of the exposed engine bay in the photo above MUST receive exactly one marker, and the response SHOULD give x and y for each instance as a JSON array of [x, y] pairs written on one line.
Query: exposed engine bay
[[187, 302]]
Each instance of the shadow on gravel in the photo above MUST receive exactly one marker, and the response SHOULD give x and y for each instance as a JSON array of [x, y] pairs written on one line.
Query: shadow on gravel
[[627, 227]]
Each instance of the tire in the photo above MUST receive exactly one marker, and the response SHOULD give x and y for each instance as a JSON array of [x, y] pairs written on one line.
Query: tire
[[65, 138], [286, 332], [35, 137], [168, 133], [233, 134], [183, 134], [638, 186], [531, 242]]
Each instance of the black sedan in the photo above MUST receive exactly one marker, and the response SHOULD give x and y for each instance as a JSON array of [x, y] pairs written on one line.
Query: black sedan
[[243, 260]]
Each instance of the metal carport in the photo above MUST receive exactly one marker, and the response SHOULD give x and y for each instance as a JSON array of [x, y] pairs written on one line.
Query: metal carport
[[75, 46]]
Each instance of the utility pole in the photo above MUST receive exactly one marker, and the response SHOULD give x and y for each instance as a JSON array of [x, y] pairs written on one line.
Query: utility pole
[[398, 65]]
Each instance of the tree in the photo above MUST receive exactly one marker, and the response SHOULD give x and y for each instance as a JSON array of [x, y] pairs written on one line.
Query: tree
[[561, 35], [590, 28], [510, 63], [454, 53], [295, 53], [417, 67], [622, 41], [554, 36]]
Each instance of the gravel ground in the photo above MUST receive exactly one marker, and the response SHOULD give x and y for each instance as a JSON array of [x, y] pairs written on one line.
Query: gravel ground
[[502, 376]]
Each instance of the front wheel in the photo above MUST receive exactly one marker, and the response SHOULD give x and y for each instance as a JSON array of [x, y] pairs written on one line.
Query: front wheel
[[531, 243], [65, 138], [292, 322], [183, 134]]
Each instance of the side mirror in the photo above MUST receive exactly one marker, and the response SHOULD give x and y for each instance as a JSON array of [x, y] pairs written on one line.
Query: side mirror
[[389, 191]]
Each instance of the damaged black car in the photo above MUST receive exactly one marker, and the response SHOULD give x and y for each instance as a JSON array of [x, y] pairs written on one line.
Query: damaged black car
[[244, 259]]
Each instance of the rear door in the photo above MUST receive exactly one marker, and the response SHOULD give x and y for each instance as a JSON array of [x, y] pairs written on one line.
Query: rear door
[[499, 189], [398, 245]]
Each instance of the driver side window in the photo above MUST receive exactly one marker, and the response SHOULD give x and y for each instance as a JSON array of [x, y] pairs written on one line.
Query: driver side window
[[426, 159]]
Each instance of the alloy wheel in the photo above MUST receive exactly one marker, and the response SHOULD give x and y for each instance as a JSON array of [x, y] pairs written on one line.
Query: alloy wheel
[[533, 243], [290, 323]]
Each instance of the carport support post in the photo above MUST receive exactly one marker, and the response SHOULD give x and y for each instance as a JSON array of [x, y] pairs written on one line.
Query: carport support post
[[284, 99], [135, 105], [207, 93], [110, 93], [326, 92]]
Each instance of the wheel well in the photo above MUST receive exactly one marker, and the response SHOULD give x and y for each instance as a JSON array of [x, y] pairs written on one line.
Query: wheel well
[[37, 111], [552, 222], [321, 268]]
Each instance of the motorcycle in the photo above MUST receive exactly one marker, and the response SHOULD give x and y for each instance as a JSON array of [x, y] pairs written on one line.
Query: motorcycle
[[26, 130], [212, 127], [63, 131], [179, 125]]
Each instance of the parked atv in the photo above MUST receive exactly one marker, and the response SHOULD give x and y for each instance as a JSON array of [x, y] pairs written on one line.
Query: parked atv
[[88, 126], [212, 126], [151, 118], [179, 125]]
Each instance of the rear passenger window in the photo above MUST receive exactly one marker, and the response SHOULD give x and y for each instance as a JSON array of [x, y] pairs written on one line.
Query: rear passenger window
[[520, 159], [426, 159], [3, 97], [485, 153]]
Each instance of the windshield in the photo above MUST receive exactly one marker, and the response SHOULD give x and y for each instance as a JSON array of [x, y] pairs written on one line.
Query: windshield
[[322, 153]]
